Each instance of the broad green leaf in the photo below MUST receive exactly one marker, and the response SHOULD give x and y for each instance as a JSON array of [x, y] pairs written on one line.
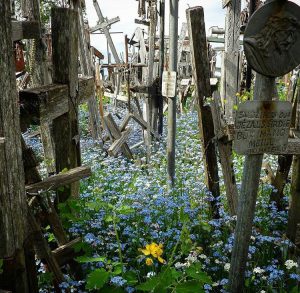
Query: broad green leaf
[[97, 279], [126, 210], [190, 287], [295, 290], [130, 277], [111, 289], [149, 285], [108, 218], [85, 259], [195, 271], [117, 269]]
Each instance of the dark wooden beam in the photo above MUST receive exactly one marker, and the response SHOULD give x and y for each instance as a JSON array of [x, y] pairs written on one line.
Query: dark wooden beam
[[25, 30], [50, 101], [61, 179]]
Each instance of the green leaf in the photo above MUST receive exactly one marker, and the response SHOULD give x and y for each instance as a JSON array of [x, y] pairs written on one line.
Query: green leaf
[[108, 218], [85, 259], [190, 287], [149, 285], [131, 277], [184, 217], [117, 269], [126, 210], [96, 205], [111, 289], [295, 290], [195, 271], [97, 279]]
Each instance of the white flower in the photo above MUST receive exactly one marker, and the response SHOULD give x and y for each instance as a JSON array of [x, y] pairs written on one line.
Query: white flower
[[217, 261], [227, 267], [258, 270], [180, 265], [151, 274], [202, 256], [262, 291], [191, 258], [252, 238], [215, 284], [290, 264]]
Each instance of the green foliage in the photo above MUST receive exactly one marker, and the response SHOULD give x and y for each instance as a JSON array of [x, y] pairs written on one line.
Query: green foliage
[[1, 266], [45, 9], [171, 280], [97, 279], [45, 279]]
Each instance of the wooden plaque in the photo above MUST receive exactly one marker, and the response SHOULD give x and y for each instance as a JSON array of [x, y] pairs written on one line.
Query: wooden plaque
[[169, 84], [272, 38], [262, 127]]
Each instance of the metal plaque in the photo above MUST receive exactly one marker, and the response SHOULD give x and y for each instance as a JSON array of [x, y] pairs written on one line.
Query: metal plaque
[[262, 127], [272, 38], [169, 84]]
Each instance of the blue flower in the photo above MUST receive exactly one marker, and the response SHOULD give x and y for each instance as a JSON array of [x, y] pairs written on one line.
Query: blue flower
[[118, 281]]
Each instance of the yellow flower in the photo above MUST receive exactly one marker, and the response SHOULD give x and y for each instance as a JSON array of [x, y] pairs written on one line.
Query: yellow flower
[[156, 250], [149, 261]]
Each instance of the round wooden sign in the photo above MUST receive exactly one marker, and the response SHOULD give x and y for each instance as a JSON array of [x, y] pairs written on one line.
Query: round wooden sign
[[272, 38]]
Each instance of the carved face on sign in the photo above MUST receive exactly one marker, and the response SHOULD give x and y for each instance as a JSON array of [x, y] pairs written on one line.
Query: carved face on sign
[[272, 39]]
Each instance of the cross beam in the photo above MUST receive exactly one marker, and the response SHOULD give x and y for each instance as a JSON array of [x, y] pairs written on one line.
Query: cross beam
[[25, 30], [50, 101], [106, 32], [104, 24]]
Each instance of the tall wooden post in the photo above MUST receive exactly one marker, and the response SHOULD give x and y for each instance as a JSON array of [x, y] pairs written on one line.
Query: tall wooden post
[[86, 66], [161, 63], [65, 71], [173, 50], [230, 76], [294, 215], [229, 88], [13, 207], [201, 72], [264, 87]]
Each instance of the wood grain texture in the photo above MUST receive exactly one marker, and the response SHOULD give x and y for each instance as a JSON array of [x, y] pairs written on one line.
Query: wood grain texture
[[201, 72], [25, 30], [58, 180], [263, 90], [65, 71], [13, 207], [12, 189], [50, 101]]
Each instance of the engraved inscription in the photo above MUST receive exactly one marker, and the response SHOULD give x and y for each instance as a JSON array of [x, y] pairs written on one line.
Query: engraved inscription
[[262, 127]]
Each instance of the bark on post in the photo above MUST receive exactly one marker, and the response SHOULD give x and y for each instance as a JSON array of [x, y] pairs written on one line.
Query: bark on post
[[86, 67], [65, 71], [13, 208], [161, 64], [229, 88], [200, 65], [294, 215], [230, 76], [264, 87], [173, 50]]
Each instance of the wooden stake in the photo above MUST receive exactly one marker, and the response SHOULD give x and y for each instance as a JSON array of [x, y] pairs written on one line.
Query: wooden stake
[[200, 65], [65, 70], [13, 208], [263, 90]]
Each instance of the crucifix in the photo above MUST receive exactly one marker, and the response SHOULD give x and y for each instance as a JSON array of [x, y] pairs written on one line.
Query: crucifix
[[266, 129]]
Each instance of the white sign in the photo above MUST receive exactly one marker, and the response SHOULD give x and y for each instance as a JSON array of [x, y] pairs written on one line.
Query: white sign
[[262, 127], [169, 84], [185, 81]]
